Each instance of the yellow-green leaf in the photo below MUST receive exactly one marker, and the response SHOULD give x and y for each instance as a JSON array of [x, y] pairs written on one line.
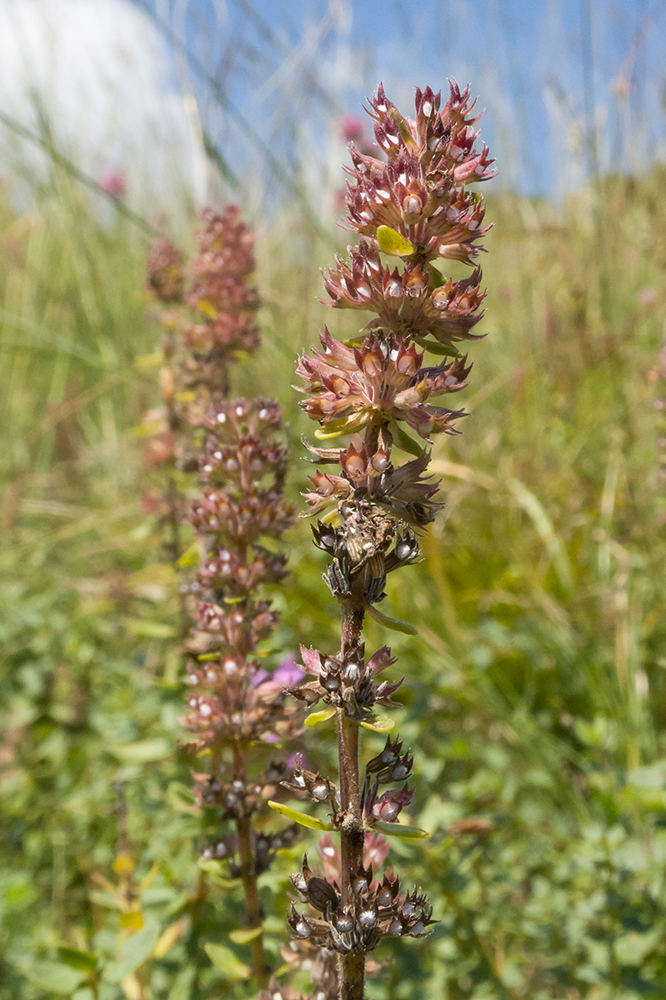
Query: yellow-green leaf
[[346, 425], [395, 624], [246, 934], [149, 360], [392, 243], [151, 630], [169, 938], [225, 960], [381, 725], [132, 920], [142, 751], [298, 817], [147, 428], [316, 717], [207, 309], [190, 556], [397, 830]]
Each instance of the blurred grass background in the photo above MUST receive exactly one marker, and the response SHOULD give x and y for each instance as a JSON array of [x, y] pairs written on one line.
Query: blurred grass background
[[534, 693]]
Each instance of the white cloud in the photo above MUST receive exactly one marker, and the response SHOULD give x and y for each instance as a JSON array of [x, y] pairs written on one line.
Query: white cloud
[[99, 74]]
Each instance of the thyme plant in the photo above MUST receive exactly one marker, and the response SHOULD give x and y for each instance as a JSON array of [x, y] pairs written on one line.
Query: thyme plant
[[415, 206], [234, 705]]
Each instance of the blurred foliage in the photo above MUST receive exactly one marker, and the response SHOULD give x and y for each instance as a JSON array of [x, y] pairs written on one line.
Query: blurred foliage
[[534, 693]]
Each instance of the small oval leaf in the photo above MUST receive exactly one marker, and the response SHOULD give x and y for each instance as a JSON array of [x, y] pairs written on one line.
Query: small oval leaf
[[169, 938], [392, 243], [245, 934], [148, 428], [133, 952], [404, 441], [434, 348], [215, 869], [316, 717], [190, 556], [395, 624], [149, 360], [51, 977], [207, 309], [397, 830], [381, 725], [225, 960], [298, 817], [142, 751], [84, 961], [151, 630], [132, 920]]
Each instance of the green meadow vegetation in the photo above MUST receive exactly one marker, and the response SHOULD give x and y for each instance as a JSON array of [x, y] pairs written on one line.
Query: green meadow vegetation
[[537, 681]]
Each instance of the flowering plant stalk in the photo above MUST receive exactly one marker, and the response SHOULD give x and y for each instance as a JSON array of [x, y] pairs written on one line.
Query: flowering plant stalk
[[414, 206], [234, 706], [166, 282]]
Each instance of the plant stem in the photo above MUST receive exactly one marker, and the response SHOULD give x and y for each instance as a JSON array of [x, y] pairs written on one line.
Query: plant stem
[[249, 877], [352, 966]]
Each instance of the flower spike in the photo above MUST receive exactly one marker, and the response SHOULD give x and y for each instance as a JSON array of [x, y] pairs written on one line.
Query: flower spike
[[374, 397]]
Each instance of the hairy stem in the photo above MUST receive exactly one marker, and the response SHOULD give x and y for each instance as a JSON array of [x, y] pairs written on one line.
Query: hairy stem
[[249, 878], [352, 966]]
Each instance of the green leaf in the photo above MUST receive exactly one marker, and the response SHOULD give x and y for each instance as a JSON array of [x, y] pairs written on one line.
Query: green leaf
[[392, 243], [316, 717], [105, 899], [436, 277], [182, 984], [381, 725], [151, 630], [245, 935], [397, 830], [225, 960], [632, 948], [215, 869], [395, 624], [433, 347], [53, 977], [142, 751], [404, 441], [133, 952], [84, 961], [180, 797], [298, 817], [544, 525]]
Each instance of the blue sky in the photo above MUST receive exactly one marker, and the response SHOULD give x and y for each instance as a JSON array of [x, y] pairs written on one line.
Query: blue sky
[[141, 86], [553, 75]]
